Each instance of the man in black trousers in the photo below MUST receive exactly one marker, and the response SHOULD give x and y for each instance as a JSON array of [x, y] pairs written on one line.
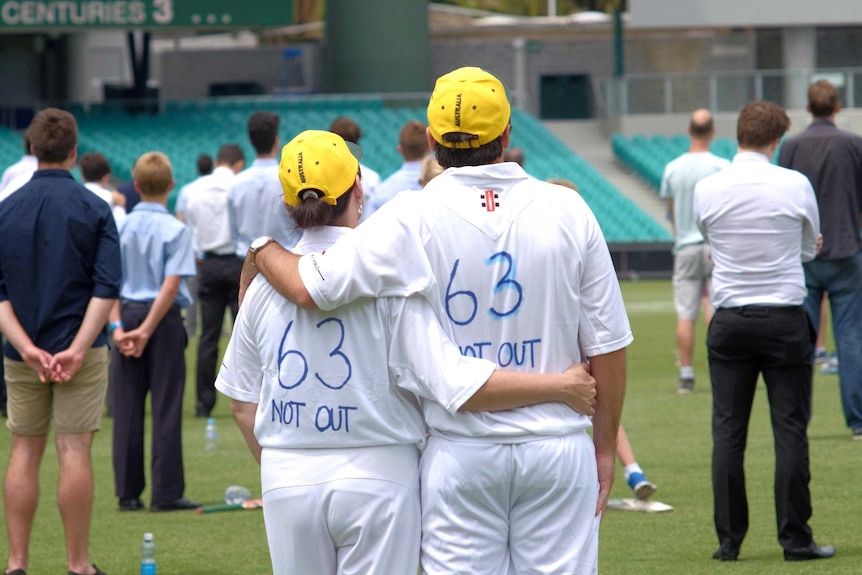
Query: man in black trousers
[[761, 222], [218, 267]]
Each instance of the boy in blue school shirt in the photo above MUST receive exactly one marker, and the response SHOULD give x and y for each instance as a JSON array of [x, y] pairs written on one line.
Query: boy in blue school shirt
[[147, 328]]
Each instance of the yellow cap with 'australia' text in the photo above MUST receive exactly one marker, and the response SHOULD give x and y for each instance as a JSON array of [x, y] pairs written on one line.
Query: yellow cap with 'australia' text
[[319, 161], [470, 102]]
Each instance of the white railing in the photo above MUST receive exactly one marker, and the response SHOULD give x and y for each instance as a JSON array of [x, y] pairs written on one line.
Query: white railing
[[719, 91]]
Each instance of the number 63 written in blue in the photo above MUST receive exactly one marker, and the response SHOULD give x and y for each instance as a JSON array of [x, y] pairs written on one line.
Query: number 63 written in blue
[[506, 282], [335, 352]]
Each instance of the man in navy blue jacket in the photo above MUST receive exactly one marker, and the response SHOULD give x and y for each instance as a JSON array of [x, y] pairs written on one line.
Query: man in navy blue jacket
[[59, 277]]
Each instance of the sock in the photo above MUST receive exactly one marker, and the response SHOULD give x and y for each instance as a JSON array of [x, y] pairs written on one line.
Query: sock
[[686, 372], [633, 468]]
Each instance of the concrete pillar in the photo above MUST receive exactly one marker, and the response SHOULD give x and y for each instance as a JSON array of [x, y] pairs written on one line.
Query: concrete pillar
[[799, 45], [95, 58], [379, 46], [520, 95]]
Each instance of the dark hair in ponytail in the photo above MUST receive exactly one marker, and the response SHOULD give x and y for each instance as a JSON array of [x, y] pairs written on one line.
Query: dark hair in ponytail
[[313, 212]]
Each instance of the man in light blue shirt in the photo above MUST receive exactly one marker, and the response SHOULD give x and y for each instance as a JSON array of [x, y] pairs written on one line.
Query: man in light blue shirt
[[255, 206], [692, 268], [413, 146]]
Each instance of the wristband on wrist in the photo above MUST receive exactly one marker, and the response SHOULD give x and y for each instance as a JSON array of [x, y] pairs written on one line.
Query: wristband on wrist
[[114, 325]]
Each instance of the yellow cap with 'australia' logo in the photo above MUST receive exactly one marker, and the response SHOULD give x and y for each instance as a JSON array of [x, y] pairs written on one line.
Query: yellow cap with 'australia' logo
[[318, 161], [468, 101]]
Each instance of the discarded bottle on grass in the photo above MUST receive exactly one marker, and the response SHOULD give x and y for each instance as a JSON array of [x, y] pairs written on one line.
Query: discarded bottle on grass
[[236, 494], [148, 555], [211, 436]]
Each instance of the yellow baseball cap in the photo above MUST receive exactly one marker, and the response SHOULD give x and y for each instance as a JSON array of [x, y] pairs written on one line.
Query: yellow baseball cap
[[320, 161], [468, 101]]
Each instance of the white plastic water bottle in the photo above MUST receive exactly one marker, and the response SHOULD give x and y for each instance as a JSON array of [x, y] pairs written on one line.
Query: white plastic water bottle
[[148, 555], [211, 437], [236, 494]]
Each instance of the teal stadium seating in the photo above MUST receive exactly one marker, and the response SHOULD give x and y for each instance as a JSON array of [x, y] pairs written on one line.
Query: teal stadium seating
[[647, 156], [186, 129], [11, 147]]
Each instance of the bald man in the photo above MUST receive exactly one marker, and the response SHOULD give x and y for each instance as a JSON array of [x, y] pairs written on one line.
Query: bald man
[[692, 268]]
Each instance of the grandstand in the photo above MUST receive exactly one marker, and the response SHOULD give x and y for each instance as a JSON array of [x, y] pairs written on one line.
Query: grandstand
[[186, 129], [647, 156]]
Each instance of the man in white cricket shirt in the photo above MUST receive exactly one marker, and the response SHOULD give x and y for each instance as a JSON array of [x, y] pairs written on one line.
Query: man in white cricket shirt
[[520, 272]]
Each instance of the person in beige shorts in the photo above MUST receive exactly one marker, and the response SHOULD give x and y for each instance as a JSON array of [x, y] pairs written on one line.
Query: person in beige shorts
[[59, 276]]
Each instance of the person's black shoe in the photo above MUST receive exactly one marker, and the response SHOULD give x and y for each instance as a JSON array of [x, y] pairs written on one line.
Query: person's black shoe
[[181, 504], [131, 504], [723, 555], [813, 551], [98, 571]]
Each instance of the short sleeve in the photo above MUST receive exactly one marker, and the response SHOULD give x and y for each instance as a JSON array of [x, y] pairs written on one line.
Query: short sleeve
[[605, 325], [665, 191], [180, 254], [107, 269], [363, 263], [425, 361], [241, 374]]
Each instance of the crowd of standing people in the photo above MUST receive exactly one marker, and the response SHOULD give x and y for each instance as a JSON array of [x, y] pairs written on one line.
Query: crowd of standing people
[[380, 334]]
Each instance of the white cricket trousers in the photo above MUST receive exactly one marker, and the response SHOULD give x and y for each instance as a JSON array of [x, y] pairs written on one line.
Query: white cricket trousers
[[510, 509], [343, 527]]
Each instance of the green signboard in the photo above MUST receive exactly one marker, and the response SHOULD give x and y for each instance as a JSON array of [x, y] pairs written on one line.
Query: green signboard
[[151, 14]]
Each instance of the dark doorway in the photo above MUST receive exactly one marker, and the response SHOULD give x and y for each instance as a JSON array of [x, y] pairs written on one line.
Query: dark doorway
[[565, 97]]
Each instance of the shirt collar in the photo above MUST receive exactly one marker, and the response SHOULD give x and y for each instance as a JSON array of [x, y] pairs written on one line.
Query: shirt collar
[[751, 157], [223, 171], [264, 162], [53, 173], [143, 206], [821, 122]]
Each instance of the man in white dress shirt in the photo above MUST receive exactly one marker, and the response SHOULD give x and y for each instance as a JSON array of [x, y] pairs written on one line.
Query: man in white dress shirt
[[761, 222], [218, 267], [96, 172]]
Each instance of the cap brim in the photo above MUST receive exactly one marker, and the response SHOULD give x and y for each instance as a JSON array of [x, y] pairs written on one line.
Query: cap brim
[[354, 149]]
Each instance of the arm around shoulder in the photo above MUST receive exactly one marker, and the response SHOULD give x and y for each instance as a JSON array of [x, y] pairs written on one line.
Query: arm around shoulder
[[510, 390], [281, 269]]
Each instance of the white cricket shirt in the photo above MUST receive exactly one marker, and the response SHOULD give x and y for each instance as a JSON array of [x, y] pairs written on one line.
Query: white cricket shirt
[[761, 222], [345, 378], [517, 268]]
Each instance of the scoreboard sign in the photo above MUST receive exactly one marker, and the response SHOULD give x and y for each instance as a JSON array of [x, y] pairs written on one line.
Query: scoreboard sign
[[152, 14]]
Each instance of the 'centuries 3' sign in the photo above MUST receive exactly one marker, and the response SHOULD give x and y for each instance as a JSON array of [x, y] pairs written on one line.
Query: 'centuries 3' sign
[[143, 13]]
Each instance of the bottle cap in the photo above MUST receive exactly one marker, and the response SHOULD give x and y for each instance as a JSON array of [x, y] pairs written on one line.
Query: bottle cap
[[211, 421], [148, 536]]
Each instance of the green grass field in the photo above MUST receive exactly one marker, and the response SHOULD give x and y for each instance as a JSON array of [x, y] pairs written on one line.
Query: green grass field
[[670, 435]]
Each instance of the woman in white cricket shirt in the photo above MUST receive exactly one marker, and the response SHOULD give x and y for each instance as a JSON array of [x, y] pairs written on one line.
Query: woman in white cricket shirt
[[329, 403]]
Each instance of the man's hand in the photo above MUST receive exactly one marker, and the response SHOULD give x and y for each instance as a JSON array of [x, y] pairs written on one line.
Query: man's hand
[[819, 242], [607, 469], [66, 364], [124, 345], [249, 271], [134, 342], [39, 361], [580, 389]]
